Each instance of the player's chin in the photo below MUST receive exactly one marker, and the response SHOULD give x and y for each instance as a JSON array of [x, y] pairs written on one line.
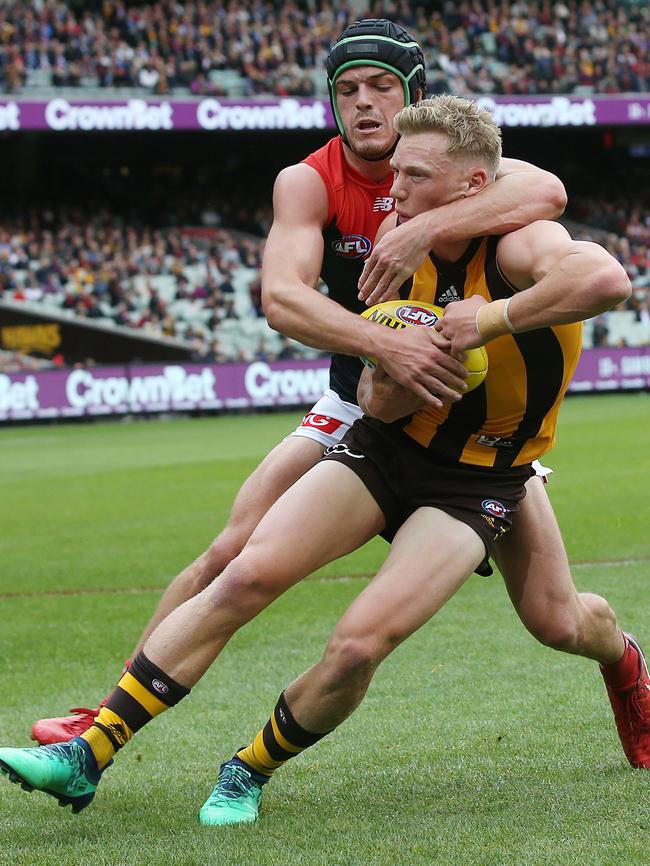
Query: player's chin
[[372, 148]]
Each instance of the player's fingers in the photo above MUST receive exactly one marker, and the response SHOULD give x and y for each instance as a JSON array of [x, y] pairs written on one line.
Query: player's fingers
[[448, 395], [443, 359], [392, 290], [427, 396], [440, 340], [445, 385], [378, 294], [368, 278], [451, 371]]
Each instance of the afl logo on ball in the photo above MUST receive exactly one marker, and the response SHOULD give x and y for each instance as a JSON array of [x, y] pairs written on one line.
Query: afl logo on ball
[[352, 246], [493, 507], [412, 314]]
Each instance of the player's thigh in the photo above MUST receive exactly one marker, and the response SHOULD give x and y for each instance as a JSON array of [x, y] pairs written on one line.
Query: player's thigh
[[327, 513], [281, 468], [431, 556], [532, 557]]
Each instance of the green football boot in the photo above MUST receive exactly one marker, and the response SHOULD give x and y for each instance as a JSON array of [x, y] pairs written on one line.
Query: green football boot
[[66, 771], [236, 797]]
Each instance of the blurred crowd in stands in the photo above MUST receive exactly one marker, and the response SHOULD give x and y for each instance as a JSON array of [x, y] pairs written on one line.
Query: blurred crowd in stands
[[272, 47], [202, 286]]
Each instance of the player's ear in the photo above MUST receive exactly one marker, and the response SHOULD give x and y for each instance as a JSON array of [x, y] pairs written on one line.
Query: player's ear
[[477, 179]]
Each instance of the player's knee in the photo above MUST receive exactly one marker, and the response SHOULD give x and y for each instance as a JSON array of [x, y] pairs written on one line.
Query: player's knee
[[352, 659], [223, 550], [558, 628], [244, 589], [596, 611]]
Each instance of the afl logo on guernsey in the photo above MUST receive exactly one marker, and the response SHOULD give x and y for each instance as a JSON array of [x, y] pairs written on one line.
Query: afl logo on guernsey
[[411, 314], [497, 509], [352, 246]]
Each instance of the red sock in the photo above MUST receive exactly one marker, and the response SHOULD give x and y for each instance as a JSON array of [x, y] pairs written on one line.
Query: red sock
[[625, 672]]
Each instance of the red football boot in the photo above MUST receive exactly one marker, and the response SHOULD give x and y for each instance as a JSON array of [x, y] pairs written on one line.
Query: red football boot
[[65, 728], [628, 687]]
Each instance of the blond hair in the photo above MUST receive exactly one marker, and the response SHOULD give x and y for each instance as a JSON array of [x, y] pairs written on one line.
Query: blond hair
[[471, 130]]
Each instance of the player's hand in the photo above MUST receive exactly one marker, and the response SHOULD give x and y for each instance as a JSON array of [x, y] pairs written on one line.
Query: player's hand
[[458, 324], [394, 259], [386, 399], [420, 359]]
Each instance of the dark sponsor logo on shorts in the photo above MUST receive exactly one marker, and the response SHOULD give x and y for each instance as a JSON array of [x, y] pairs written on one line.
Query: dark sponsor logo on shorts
[[342, 448], [321, 422], [489, 520], [352, 246], [493, 507], [495, 442], [160, 687], [412, 314]]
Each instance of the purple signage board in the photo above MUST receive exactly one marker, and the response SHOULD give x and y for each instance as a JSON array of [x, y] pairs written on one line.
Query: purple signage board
[[212, 114], [159, 115], [167, 388], [612, 370]]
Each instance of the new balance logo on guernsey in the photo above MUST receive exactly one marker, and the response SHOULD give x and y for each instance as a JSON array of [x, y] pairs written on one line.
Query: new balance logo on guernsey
[[448, 296], [383, 202]]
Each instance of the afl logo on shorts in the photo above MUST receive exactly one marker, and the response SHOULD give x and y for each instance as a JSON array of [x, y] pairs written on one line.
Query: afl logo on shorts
[[497, 509], [411, 314], [352, 246]]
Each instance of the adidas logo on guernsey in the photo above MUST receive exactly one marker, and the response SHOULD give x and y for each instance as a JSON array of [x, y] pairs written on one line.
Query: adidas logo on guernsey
[[448, 296], [384, 203]]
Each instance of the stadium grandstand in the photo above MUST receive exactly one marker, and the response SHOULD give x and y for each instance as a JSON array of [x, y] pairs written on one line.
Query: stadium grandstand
[[167, 239], [141, 384], [245, 49]]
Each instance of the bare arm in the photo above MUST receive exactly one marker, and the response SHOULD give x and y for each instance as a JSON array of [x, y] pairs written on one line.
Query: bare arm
[[559, 281], [416, 357], [382, 397], [521, 194]]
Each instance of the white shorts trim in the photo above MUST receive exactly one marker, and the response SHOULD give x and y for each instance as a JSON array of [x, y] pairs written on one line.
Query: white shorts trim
[[328, 420], [541, 471]]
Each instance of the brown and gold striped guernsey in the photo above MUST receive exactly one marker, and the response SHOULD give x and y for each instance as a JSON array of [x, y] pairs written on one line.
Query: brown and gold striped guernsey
[[511, 418]]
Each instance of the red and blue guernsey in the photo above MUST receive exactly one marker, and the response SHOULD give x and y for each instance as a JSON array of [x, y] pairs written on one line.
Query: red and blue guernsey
[[355, 210]]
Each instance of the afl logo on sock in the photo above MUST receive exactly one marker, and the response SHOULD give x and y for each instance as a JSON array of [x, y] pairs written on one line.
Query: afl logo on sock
[[161, 688]]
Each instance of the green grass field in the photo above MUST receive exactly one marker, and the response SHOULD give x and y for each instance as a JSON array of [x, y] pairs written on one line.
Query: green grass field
[[475, 744]]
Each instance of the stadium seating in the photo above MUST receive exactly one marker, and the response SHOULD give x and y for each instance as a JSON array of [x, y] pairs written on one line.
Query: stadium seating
[[205, 287], [147, 278], [279, 48]]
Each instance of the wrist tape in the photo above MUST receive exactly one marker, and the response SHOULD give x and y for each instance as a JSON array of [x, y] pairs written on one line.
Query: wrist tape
[[492, 319]]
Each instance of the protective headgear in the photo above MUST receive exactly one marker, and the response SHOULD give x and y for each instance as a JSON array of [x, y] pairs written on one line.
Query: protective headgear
[[377, 42]]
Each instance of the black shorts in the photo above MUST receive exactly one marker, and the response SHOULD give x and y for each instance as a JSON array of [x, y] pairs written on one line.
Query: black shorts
[[402, 476]]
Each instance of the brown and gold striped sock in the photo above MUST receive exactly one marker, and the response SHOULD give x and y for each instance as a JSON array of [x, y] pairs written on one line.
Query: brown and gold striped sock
[[143, 692], [280, 739]]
